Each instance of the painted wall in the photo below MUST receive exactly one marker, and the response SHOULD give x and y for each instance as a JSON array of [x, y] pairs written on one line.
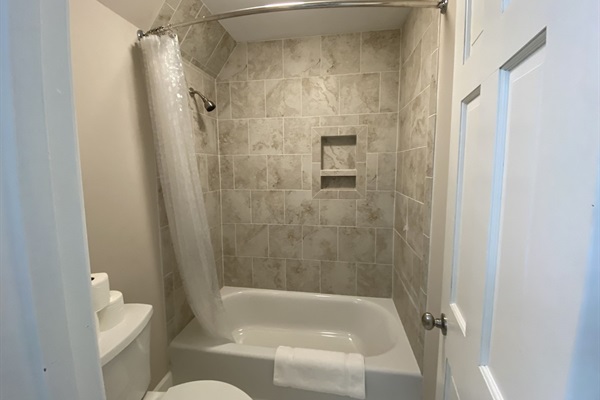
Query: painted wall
[[117, 162], [140, 13], [279, 231], [416, 138]]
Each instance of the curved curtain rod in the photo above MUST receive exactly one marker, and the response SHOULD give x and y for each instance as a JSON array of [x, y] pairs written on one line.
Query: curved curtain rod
[[300, 5]]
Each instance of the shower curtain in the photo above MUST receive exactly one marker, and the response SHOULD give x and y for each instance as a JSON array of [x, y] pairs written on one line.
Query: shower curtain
[[184, 201]]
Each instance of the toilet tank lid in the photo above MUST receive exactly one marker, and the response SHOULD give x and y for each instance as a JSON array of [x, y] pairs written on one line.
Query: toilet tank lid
[[112, 341]]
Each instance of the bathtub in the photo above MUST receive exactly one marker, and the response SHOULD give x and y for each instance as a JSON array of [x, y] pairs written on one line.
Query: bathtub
[[264, 319]]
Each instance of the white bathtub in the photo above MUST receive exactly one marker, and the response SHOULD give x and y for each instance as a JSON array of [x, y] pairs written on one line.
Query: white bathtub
[[264, 319]]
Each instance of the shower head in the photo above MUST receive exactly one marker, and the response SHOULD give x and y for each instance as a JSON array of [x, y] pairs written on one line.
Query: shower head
[[209, 105]]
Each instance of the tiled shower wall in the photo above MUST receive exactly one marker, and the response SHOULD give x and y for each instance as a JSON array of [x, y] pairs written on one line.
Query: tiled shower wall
[[178, 312], [418, 97], [207, 45], [275, 233]]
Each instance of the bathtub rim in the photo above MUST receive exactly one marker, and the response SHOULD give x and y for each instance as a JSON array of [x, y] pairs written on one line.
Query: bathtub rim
[[399, 359]]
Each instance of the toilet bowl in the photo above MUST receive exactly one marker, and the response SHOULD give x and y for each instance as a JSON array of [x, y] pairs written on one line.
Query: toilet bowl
[[192, 391], [125, 358]]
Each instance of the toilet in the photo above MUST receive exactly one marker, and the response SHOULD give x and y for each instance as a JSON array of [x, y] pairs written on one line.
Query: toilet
[[125, 359]]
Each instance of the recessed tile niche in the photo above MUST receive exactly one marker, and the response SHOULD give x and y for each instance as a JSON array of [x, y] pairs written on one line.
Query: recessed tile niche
[[339, 162]]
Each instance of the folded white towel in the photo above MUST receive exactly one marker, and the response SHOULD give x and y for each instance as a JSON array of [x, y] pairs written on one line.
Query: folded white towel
[[320, 371]]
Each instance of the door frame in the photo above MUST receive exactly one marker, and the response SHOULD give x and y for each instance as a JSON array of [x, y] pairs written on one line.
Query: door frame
[[447, 29], [48, 332]]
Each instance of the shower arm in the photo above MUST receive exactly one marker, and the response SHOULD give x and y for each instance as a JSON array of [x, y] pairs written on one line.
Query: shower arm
[[442, 5]]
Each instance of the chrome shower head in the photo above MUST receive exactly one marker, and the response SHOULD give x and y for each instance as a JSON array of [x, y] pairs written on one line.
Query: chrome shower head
[[209, 105]]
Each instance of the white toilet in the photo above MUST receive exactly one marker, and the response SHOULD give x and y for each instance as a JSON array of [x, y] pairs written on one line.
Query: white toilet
[[125, 358]]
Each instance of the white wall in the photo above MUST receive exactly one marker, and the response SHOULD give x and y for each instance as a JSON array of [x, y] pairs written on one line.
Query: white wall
[[117, 162], [140, 13]]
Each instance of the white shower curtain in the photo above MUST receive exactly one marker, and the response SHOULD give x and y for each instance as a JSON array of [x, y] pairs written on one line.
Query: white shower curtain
[[184, 202]]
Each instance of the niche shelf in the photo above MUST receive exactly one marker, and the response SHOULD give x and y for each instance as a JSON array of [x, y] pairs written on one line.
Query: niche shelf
[[339, 162]]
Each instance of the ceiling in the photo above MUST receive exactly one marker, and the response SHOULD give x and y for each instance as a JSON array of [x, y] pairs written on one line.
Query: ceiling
[[303, 23], [140, 13]]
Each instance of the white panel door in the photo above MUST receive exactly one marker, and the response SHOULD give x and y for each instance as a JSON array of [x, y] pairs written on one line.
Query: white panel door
[[522, 178]]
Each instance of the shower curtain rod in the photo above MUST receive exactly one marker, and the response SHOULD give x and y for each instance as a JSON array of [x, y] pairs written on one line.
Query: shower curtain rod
[[442, 5]]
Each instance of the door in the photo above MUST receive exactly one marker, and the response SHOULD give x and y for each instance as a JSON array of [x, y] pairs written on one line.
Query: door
[[522, 177]]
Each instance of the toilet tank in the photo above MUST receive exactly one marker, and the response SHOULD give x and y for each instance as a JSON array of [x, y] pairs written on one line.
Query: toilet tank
[[125, 354]]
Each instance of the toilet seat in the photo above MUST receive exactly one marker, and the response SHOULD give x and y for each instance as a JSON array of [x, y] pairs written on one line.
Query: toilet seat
[[199, 390]]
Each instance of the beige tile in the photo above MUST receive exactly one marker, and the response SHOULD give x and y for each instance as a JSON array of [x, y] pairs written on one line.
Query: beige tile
[[338, 212], [237, 271], [376, 210], [202, 171], [216, 235], [357, 245], [338, 152], [220, 54], [168, 293], [389, 91], [384, 246], [236, 206], [250, 172], [372, 171], [162, 211], [265, 60], [374, 280], [400, 214], [284, 97], [320, 96], [300, 208], [168, 259], [303, 275], [164, 16], [359, 93], [248, 99], [319, 243], [251, 240], [285, 241], [205, 134], [340, 54], [414, 235], [302, 57], [382, 131], [403, 258], [212, 202], [410, 78], [268, 273], [214, 181], [399, 166], [228, 233], [430, 146], [226, 170], [338, 278], [266, 136], [386, 171], [297, 135], [380, 51], [202, 39], [186, 10], [268, 206], [233, 137], [306, 172], [339, 120], [413, 173], [285, 172], [236, 67], [427, 207], [223, 101]]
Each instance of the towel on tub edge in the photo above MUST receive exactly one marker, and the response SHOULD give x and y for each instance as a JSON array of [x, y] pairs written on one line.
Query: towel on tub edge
[[320, 371]]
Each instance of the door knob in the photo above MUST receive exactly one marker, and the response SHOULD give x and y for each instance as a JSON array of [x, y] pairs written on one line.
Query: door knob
[[429, 322]]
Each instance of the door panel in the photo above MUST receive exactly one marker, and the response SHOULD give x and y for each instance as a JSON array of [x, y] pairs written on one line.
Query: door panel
[[523, 168]]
